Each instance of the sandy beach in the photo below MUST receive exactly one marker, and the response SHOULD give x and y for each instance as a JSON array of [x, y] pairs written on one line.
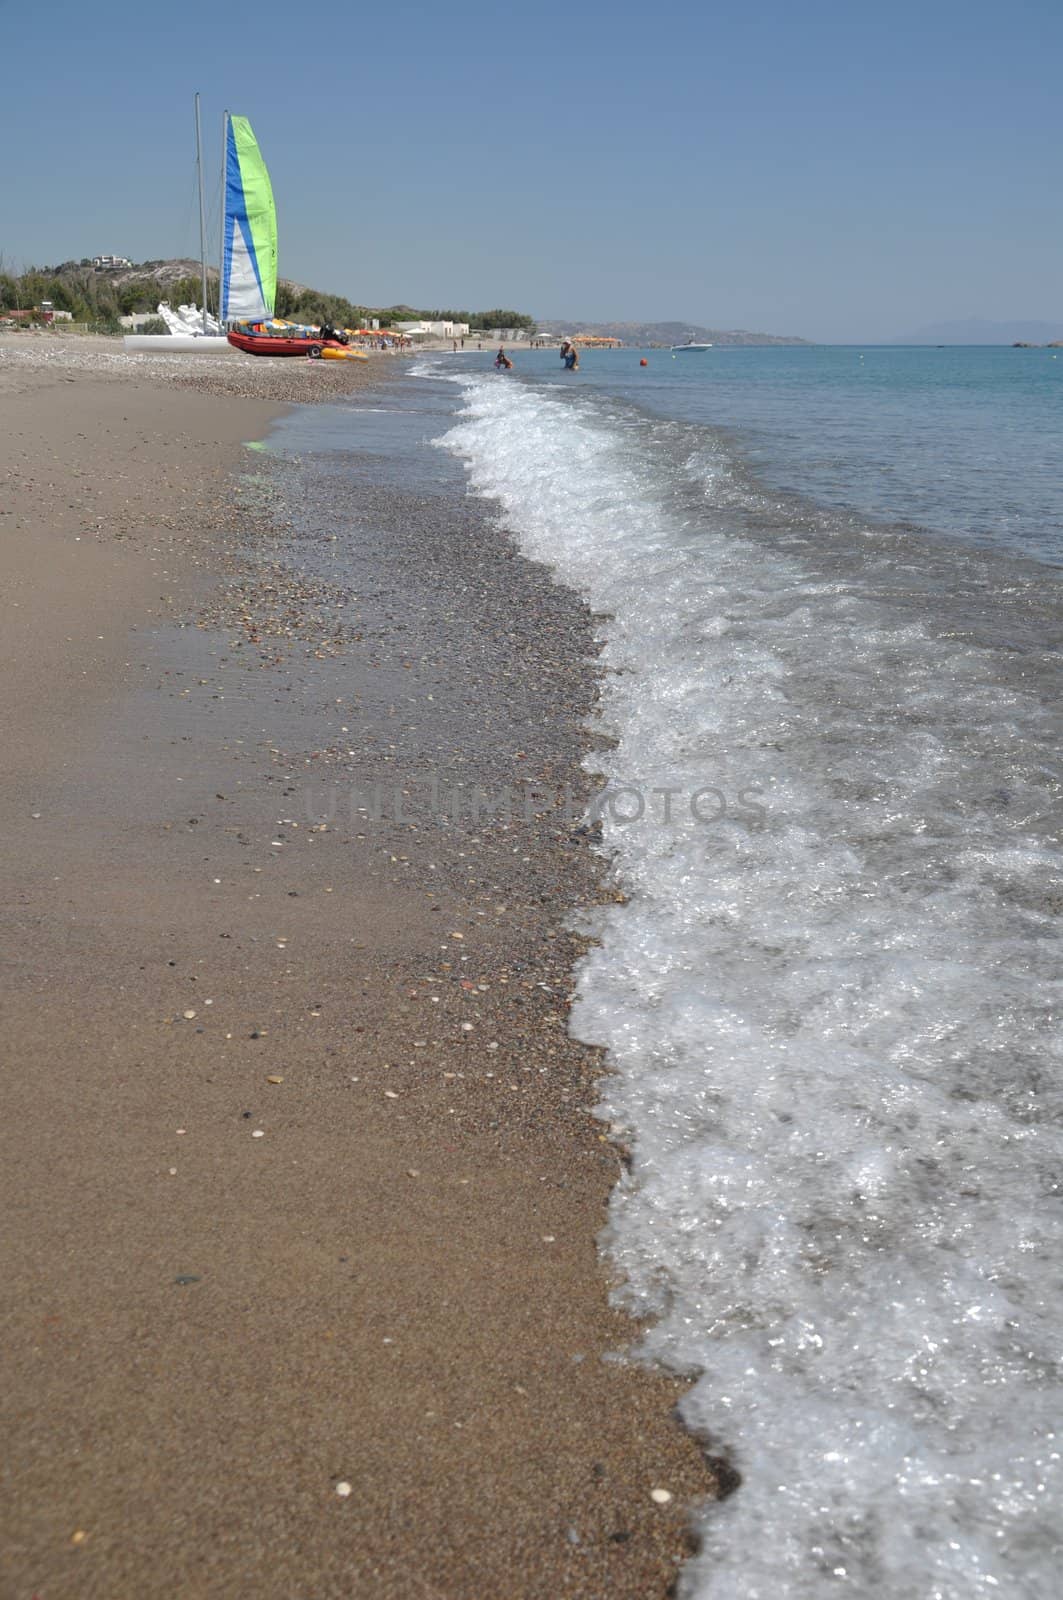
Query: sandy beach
[[300, 1182]]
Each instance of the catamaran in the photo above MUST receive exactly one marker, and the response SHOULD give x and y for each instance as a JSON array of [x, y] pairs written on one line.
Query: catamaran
[[248, 267]]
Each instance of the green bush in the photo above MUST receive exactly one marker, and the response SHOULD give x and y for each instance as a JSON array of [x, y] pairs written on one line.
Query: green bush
[[94, 297]]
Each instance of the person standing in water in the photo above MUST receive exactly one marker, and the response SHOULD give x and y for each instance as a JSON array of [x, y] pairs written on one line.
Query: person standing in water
[[502, 361], [570, 356]]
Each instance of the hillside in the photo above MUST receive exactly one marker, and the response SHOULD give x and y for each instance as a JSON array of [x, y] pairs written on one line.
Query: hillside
[[654, 334], [100, 295], [167, 273]]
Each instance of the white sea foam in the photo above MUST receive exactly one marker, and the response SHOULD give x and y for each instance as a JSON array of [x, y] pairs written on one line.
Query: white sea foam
[[833, 1026]]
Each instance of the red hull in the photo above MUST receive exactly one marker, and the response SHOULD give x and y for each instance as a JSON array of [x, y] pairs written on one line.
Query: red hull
[[264, 345]]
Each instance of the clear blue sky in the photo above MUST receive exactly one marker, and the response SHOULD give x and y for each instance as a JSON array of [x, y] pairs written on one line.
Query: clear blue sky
[[839, 170]]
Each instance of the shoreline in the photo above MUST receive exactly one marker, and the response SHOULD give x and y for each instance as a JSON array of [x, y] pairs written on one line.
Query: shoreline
[[396, 1286]]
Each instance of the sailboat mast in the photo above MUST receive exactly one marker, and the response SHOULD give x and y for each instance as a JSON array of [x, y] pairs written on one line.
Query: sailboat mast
[[221, 256], [202, 220]]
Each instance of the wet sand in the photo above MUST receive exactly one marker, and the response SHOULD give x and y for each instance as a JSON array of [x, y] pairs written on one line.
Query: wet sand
[[208, 1334]]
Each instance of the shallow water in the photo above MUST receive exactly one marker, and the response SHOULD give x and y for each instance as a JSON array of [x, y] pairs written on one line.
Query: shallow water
[[831, 999]]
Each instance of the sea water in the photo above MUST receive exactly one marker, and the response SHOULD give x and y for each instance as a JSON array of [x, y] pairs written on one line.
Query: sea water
[[832, 608]]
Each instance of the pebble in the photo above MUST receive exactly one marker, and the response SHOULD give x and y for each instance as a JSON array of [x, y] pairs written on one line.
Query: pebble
[[258, 1133], [273, 1078], [661, 1497], [389, 1094], [343, 1489]]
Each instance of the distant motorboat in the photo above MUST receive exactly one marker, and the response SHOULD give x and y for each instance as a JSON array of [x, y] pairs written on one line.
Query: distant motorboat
[[690, 348]]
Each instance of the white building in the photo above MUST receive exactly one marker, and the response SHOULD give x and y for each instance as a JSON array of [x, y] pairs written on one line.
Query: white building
[[433, 330], [105, 262]]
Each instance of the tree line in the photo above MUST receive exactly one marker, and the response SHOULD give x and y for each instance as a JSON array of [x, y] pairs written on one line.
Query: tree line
[[94, 296], [475, 319]]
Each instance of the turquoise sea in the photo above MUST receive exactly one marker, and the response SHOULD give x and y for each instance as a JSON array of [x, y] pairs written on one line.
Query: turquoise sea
[[966, 441]]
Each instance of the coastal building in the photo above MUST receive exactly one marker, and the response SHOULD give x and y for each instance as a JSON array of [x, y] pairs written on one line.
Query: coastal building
[[434, 330], [108, 263]]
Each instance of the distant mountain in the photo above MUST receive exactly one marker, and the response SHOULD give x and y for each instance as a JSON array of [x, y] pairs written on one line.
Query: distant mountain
[[974, 331], [661, 333]]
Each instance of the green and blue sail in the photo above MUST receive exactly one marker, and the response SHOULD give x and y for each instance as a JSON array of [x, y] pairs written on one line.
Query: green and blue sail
[[249, 262]]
